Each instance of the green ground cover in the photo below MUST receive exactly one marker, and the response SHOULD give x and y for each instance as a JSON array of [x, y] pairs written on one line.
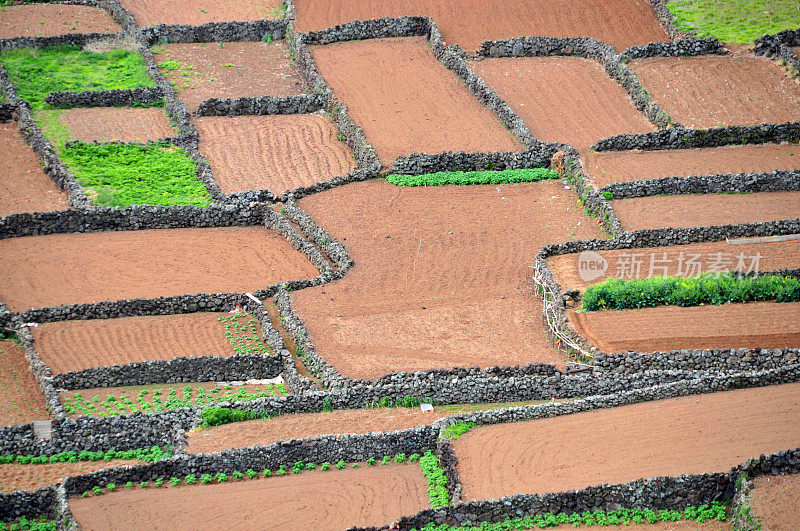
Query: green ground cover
[[34, 524], [147, 454], [737, 21], [474, 177]]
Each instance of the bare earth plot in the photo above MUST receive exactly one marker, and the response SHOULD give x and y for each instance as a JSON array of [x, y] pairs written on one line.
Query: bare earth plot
[[710, 91], [312, 500], [24, 187], [621, 444], [776, 502], [15, 476], [621, 23], [197, 12], [47, 20], [441, 275], [606, 167], [21, 401], [275, 152], [563, 99], [705, 209], [406, 101], [233, 70], [58, 269], [107, 124]]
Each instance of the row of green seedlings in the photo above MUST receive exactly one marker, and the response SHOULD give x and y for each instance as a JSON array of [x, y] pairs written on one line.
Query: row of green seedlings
[[29, 524], [142, 454], [241, 331], [523, 175]]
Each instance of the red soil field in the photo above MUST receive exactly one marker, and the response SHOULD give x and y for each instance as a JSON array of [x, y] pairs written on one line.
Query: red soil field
[[621, 444], [441, 277], [334, 499], [39, 271], [776, 502], [563, 99], [734, 325], [621, 23], [197, 12], [705, 209], [47, 20], [106, 124], [697, 91], [406, 101], [24, 186], [276, 152], [21, 401], [15, 476], [606, 167], [258, 69]]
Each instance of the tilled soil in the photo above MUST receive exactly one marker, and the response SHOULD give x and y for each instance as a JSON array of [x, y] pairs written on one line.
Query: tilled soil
[[621, 23], [24, 186], [563, 99], [276, 152], [657, 212], [21, 401], [333, 499], [47, 20], [39, 271], [198, 12], [606, 167], [406, 101], [662, 328], [710, 91], [233, 70], [441, 277], [15, 476], [124, 124], [776, 502], [621, 444]]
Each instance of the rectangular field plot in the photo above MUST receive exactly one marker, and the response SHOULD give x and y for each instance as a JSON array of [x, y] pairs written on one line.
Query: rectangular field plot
[[47, 20], [336, 499], [105, 124], [39, 271], [441, 279], [710, 91], [15, 476], [276, 153], [21, 401], [563, 99], [232, 70], [686, 435], [198, 12], [24, 187], [776, 501], [621, 23], [606, 167], [406, 101]]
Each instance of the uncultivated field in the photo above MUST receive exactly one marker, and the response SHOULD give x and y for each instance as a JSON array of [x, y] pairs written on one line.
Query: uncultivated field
[[617, 445], [47, 20], [21, 401], [776, 501], [15, 476], [106, 124], [197, 12]]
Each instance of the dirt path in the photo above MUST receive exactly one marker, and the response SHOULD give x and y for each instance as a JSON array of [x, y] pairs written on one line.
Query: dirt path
[[106, 124], [197, 12], [618, 445], [58, 269], [47, 20], [335, 499], [15, 476], [563, 99], [21, 401], [776, 502], [406, 101]]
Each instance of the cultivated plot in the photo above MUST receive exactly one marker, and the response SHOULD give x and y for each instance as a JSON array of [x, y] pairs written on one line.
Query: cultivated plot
[[621, 444], [21, 401], [15, 476], [563, 99], [406, 101], [197, 12], [776, 501], [47, 20], [106, 124]]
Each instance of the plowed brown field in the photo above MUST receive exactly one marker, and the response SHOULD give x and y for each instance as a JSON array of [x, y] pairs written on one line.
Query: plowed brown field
[[47, 20], [563, 99], [335, 499], [621, 23], [621, 444], [21, 401], [776, 502], [278, 152], [709, 91], [406, 101], [197, 12], [106, 124], [38, 271], [15, 476]]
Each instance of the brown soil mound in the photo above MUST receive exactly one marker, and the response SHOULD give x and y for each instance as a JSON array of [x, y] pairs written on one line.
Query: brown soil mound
[[734, 325], [335, 499], [621, 444], [256, 69], [776, 502], [606, 167], [39, 271], [197, 12], [47, 20], [106, 124], [563, 99], [441, 275], [621, 23], [24, 186], [278, 152], [21, 401], [698, 91], [706, 209], [406, 101], [15, 476]]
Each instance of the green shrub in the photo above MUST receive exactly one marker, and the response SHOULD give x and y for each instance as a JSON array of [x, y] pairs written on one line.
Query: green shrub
[[111, 487], [251, 473], [191, 479], [206, 478], [174, 481], [267, 472], [298, 467], [437, 480], [386, 459], [237, 475], [400, 458], [474, 177], [34, 524], [371, 461], [340, 465], [158, 482], [608, 195], [97, 490], [281, 471]]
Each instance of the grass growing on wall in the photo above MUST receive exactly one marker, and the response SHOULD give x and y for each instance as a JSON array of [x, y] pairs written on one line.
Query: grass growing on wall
[[737, 21], [474, 177]]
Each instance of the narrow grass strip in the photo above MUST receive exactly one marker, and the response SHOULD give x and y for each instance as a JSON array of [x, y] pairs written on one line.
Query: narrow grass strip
[[437, 480], [738, 21], [524, 175]]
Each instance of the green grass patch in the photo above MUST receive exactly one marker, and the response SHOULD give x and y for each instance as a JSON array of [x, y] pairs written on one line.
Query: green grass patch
[[149, 455], [618, 294], [217, 416], [33, 524], [737, 21], [37, 73], [524, 175], [128, 174]]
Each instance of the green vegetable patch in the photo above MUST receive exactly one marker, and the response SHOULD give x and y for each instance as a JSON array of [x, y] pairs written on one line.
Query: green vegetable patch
[[524, 175]]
